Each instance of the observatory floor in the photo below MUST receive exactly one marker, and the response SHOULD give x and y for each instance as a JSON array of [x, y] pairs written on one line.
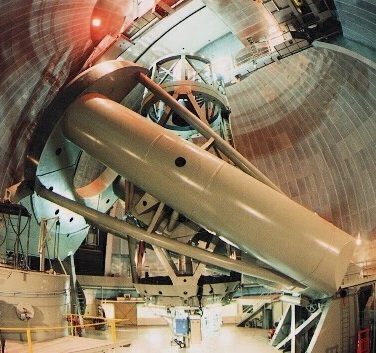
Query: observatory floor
[[153, 339], [68, 344], [157, 339]]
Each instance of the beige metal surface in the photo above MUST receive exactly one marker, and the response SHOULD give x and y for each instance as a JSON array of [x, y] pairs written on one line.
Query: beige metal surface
[[206, 131], [123, 229], [211, 192], [46, 294]]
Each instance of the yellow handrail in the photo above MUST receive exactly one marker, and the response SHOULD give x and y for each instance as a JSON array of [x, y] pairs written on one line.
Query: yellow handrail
[[112, 324], [29, 344]]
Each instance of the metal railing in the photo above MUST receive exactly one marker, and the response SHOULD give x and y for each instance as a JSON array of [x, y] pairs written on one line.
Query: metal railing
[[73, 324]]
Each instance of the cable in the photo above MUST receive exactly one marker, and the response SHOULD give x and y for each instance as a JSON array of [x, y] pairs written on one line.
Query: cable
[[6, 229]]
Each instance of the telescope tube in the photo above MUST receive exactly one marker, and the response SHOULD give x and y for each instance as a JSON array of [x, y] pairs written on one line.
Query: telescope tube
[[212, 193]]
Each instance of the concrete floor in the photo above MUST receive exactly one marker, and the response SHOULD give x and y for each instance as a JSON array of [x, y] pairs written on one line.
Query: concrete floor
[[152, 339], [157, 339], [67, 344]]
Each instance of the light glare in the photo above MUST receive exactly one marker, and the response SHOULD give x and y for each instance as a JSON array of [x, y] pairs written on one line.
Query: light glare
[[96, 22]]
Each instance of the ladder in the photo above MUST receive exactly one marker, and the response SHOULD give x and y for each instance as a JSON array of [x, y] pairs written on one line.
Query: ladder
[[345, 325]]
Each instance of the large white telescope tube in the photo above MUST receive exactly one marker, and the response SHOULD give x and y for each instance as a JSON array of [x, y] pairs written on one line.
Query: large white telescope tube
[[211, 192]]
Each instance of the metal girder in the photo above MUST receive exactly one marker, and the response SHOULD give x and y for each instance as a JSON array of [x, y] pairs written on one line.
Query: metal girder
[[207, 132], [123, 230]]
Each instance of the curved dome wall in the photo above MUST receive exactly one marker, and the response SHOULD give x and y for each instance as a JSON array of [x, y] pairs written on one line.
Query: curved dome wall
[[43, 45], [309, 123], [358, 20]]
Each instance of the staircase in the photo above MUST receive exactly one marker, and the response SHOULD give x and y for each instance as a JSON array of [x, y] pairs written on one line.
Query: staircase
[[251, 311], [345, 325]]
